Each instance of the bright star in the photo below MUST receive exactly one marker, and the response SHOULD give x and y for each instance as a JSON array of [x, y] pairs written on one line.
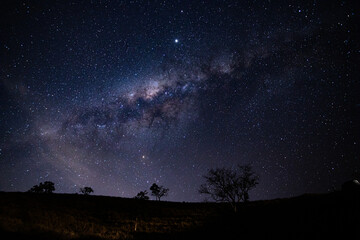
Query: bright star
[[176, 40]]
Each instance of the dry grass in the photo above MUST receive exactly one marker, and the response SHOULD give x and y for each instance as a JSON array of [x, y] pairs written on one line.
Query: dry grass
[[76, 216], [66, 216]]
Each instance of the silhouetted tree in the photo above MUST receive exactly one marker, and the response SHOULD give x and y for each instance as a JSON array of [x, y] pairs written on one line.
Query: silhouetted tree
[[86, 190], [158, 191], [248, 180], [46, 187], [35, 189], [229, 185], [142, 195]]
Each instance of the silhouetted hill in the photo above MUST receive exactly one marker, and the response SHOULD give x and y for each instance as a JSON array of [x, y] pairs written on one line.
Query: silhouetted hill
[[72, 216]]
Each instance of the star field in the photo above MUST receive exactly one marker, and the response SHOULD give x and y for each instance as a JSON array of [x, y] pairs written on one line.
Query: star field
[[117, 95]]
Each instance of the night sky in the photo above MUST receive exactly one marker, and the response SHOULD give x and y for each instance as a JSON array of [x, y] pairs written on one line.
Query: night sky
[[117, 95]]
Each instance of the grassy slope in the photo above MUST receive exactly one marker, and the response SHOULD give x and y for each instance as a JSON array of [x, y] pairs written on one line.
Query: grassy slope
[[66, 216]]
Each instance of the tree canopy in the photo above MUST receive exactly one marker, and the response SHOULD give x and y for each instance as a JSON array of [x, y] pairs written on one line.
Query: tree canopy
[[46, 187], [142, 195], [229, 185], [86, 190], [158, 191]]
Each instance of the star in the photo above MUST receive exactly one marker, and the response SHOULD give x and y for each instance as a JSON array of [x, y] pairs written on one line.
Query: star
[[121, 104]]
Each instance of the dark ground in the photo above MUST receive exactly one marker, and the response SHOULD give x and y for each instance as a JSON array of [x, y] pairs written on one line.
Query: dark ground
[[71, 216]]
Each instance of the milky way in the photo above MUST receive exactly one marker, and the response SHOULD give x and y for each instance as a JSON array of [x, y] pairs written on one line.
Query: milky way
[[119, 96]]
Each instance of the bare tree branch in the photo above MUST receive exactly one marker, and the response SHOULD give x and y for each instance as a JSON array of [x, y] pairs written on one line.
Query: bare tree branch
[[229, 185]]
